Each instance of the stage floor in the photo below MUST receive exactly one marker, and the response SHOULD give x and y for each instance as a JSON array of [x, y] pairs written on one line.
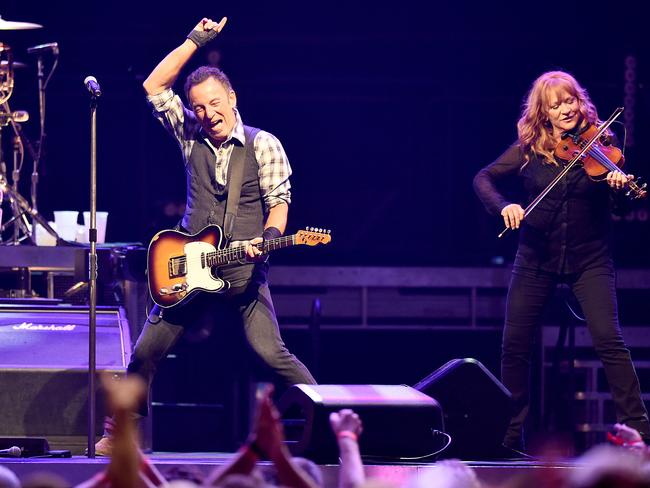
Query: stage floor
[[79, 468]]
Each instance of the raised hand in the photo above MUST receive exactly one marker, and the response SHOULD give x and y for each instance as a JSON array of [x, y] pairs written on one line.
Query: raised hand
[[207, 24], [628, 434], [206, 30], [267, 432], [346, 421], [123, 394]]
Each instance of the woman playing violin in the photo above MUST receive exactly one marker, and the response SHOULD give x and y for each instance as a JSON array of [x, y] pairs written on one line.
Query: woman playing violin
[[563, 240]]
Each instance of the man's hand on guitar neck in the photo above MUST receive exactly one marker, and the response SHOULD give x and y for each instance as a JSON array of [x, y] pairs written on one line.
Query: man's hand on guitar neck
[[253, 254]]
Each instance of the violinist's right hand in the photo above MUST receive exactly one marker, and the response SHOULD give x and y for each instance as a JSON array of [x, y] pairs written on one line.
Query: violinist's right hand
[[512, 214]]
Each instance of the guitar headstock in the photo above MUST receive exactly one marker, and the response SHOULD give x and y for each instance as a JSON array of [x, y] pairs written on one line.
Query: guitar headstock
[[312, 236]]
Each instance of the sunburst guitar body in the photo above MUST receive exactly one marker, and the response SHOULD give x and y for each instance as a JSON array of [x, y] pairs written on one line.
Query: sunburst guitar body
[[180, 265]]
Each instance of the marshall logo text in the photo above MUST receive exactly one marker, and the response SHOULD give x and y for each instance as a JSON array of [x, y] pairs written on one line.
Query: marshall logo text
[[33, 326]]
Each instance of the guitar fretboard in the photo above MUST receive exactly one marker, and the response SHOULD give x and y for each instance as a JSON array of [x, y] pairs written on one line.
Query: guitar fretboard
[[238, 253]]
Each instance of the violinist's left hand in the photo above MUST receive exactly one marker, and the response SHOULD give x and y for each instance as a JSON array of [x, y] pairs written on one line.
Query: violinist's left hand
[[618, 180]]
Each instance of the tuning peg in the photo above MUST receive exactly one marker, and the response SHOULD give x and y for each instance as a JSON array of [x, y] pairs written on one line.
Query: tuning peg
[[329, 231]]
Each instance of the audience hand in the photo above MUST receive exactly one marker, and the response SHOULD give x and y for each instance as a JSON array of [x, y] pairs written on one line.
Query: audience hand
[[123, 394], [345, 421], [267, 433]]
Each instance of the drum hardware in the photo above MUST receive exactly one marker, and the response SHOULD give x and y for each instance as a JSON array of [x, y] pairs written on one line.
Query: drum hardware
[[6, 73], [4, 65], [20, 207], [10, 25]]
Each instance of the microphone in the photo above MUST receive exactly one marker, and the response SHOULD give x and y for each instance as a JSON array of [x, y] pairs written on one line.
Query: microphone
[[13, 451], [93, 86], [50, 46]]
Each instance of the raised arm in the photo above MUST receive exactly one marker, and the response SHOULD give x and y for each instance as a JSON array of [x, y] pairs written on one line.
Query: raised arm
[[124, 471], [266, 440], [164, 75], [347, 428]]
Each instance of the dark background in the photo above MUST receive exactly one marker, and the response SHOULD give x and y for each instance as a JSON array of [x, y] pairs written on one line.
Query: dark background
[[386, 111]]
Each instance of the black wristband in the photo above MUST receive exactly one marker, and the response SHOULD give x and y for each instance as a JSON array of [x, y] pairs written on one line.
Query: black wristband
[[271, 233], [201, 38]]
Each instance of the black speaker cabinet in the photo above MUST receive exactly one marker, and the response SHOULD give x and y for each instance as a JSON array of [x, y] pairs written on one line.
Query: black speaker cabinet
[[476, 408], [43, 369], [398, 421]]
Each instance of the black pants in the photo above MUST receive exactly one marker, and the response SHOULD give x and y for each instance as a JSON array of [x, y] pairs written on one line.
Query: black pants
[[595, 290], [260, 327]]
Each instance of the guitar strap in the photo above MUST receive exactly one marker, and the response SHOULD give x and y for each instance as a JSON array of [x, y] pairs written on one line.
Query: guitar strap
[[236, 170]]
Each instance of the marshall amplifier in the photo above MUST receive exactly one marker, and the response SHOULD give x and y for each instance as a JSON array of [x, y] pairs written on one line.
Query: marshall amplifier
[[44, 369]]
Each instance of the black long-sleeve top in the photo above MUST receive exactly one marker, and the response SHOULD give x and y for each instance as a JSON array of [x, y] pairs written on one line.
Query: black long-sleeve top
[[569, 230]]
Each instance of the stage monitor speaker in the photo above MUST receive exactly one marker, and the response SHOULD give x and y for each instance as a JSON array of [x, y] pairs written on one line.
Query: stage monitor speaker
[[476, 409], [44, 369], [398, 421]]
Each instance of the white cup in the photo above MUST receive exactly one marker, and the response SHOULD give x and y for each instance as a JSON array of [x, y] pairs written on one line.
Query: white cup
[[43, 237], [66, 224], [102, 218], [82, 234]]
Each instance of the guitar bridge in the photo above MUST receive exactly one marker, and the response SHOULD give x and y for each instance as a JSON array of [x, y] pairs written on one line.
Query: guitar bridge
[[176, 288], [177, 266]]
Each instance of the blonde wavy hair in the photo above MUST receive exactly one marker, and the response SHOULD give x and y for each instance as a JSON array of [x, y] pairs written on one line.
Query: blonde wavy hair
[[534, 129]]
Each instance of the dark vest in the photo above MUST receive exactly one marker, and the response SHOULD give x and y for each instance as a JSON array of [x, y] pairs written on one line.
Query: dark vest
[[205, 205]]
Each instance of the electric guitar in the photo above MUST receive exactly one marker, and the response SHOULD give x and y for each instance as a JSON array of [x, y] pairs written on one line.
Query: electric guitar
[[181, 264]]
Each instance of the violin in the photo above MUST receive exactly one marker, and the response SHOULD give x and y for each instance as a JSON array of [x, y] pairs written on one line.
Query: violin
[[599, 158]]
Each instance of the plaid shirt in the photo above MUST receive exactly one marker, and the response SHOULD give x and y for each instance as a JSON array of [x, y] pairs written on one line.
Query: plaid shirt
[[274, 169]]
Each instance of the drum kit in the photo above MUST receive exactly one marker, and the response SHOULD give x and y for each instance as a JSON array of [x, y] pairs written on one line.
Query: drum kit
[[24, 214]]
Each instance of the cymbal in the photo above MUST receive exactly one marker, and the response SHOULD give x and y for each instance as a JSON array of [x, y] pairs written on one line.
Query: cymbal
[[12, 25], [14, 65]]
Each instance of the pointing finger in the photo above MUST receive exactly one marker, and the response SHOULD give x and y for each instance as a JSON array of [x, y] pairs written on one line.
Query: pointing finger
[[221, 24]]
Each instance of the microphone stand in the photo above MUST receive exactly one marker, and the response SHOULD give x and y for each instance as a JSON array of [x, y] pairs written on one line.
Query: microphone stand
[[42, 86], [92, 279], [19, 224], [41, 107]]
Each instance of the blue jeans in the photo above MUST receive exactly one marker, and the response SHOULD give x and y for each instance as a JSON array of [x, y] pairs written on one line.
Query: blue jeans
[[255, 307], [595, 290]]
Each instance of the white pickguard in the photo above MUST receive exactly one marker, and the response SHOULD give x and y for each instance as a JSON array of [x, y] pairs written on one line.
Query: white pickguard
[[198, 276]]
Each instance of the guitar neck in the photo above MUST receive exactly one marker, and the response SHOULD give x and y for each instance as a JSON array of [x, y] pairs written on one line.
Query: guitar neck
[[238, 253]]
